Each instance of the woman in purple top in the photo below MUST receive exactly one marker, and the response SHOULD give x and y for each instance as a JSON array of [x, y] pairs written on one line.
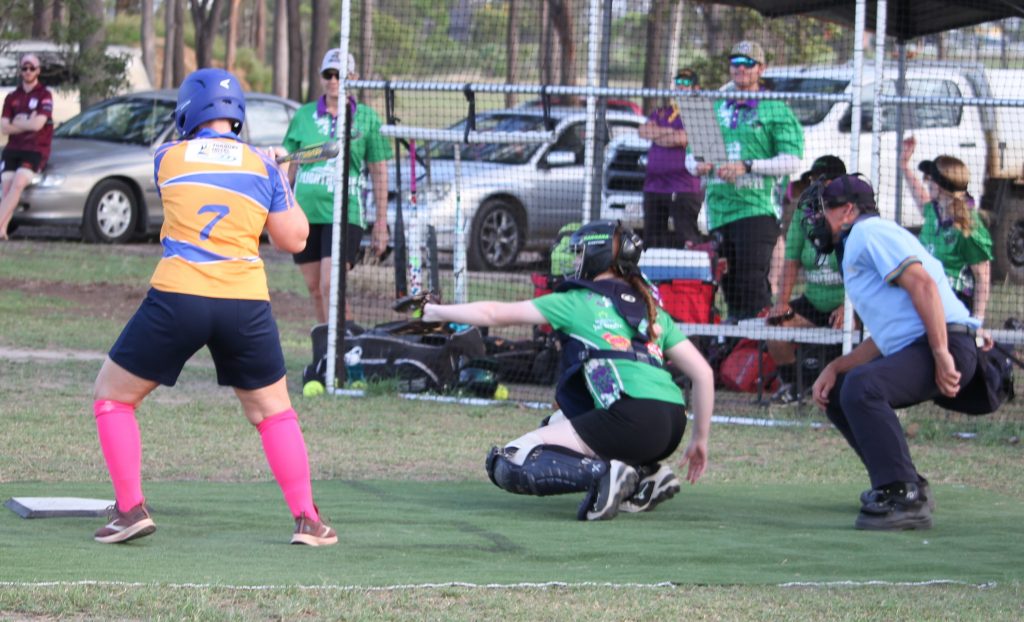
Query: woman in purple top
[[670, 191]]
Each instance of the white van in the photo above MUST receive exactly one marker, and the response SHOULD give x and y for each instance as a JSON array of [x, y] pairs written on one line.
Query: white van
[[56, 76]]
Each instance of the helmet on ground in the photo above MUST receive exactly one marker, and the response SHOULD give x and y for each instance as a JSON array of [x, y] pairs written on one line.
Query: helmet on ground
[[208, 94], [594, 245]]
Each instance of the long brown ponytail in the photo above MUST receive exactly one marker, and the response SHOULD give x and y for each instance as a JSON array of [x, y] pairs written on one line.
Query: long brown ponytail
[[638, 283]]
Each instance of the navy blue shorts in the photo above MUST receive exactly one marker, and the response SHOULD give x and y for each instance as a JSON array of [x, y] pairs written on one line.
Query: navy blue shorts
[[168, 329], [319, 244]]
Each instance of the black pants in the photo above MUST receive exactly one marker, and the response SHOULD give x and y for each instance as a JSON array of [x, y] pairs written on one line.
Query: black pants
[[747, 245], [682, 207], [862, 404]]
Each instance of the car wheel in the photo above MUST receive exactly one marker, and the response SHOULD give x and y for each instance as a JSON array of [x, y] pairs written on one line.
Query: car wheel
[[1008, 243], [111, 213], [496, 237]]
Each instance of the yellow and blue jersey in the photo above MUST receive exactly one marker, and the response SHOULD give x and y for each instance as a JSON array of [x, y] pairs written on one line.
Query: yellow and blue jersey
[[217, 193]]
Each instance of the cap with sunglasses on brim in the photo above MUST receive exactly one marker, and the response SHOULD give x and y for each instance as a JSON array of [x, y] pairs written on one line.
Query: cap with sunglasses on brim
[[748, 49], [332, 60], [929, 168], [687, 77], [829, 165]]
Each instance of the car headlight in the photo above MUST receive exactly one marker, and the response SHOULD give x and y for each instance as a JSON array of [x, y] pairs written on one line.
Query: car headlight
[[49, 180]]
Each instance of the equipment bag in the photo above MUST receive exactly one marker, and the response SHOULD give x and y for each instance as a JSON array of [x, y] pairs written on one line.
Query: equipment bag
[[989, 388], [739, 370], [421, 361]]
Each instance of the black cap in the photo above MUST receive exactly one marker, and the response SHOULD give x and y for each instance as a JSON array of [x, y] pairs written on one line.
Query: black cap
[[850, 189], [830, 166], [929, 168]]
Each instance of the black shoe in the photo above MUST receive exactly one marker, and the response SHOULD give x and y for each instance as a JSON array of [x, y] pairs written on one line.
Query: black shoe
[[900, 506], [876, 494], [785, 395], [602, 502]]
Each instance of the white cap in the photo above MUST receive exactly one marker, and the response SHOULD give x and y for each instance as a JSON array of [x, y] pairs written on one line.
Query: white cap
[[332, 60]]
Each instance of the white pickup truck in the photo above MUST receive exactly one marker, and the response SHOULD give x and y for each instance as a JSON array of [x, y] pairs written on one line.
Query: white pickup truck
[[990, 140]]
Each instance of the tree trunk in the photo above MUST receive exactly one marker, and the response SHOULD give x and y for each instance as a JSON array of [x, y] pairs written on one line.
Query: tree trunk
[[205, 19], [179, 44], [88, 23], [147, 37], [544, 51], [42, 19], [318, 46], [260, 28], [125, 7], [281, 47], [231, 45], [60, 14], [562, 21], [294, 50], [654, 49], [366, 61], [512, 50], [170, 37], [674, 38]]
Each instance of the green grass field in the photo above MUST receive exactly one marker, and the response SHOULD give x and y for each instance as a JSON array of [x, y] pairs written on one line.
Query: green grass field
[[766, 535]]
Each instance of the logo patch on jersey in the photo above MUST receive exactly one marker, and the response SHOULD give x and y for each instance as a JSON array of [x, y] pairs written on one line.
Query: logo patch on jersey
[[654, 350], [616, 342], [214, 152], [33, 103], [628, 297]]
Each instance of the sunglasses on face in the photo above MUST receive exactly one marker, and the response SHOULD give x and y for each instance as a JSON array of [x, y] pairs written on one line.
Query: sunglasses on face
[[330, 75], [743, 61], [684, 82], [30, 68]]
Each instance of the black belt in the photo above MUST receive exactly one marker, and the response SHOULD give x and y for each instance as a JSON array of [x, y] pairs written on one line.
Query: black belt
[[961, 328]]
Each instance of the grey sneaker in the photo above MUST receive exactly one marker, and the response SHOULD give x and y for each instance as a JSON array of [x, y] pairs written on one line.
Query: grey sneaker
[[657, 483], [875, 494], [313, 532], [900, 506], [125, 526], [604, 498]]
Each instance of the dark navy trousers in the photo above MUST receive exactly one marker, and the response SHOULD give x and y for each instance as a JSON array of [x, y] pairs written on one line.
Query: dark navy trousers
[[863, 401]]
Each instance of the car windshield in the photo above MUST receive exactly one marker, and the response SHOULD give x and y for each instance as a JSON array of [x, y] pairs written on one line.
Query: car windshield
[[498, 153], [127, 120], [808, 112]]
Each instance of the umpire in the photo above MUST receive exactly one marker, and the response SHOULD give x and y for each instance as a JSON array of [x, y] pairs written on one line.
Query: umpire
[[922, 345]]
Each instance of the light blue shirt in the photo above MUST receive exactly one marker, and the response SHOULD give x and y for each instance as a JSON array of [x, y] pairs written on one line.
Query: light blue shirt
[[877, 251]]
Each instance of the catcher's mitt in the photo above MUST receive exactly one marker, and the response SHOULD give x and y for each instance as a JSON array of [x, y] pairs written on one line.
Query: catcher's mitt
[[415, 302]]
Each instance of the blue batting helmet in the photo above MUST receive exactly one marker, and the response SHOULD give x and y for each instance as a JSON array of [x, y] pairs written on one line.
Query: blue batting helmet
[[208, 94]]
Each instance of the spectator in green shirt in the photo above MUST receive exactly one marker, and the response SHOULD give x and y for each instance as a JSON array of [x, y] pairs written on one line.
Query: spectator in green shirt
[[313, 124], [952, 231], [764, 143]]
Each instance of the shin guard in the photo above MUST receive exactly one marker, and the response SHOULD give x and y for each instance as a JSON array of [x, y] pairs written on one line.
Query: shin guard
[[548, 470]]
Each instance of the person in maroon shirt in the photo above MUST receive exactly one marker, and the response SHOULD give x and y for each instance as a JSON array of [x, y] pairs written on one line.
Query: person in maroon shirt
[[28, 121]]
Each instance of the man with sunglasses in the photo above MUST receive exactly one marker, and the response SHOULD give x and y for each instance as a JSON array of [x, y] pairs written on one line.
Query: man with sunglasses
[[28, 121], [764, 142], [313, 124], [670, 191]]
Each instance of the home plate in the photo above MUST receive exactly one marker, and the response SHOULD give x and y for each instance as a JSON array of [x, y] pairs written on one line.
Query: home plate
[[54, 507]]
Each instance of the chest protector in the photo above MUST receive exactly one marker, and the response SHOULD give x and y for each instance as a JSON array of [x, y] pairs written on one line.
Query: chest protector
[[572, 394]]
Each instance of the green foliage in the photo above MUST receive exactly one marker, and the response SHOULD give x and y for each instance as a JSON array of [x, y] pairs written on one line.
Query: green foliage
[[258, 74], [124, 29]]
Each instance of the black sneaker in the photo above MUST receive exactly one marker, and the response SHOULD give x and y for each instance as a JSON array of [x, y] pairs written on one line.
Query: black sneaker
[[876, 494], [604, 498], [785, 395], [899, 506], [657, 483]]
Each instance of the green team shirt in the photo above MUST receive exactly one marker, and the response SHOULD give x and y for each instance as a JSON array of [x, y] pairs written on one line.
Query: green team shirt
[[314, 183], [592, 319], [751, 133], [951, 247], [824, 288]]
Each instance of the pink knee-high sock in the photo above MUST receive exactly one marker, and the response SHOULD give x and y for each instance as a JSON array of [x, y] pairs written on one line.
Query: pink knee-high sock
[[286, 453], [122, 448]]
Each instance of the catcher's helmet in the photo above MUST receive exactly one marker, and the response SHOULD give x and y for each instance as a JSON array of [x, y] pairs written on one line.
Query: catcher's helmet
[[208, 94], [594, 245]]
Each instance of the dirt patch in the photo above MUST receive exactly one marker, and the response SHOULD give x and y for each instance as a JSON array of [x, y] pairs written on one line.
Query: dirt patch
[[119, 302]]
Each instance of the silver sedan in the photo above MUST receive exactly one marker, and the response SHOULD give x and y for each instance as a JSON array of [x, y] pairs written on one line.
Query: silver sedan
[[100, 173]]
